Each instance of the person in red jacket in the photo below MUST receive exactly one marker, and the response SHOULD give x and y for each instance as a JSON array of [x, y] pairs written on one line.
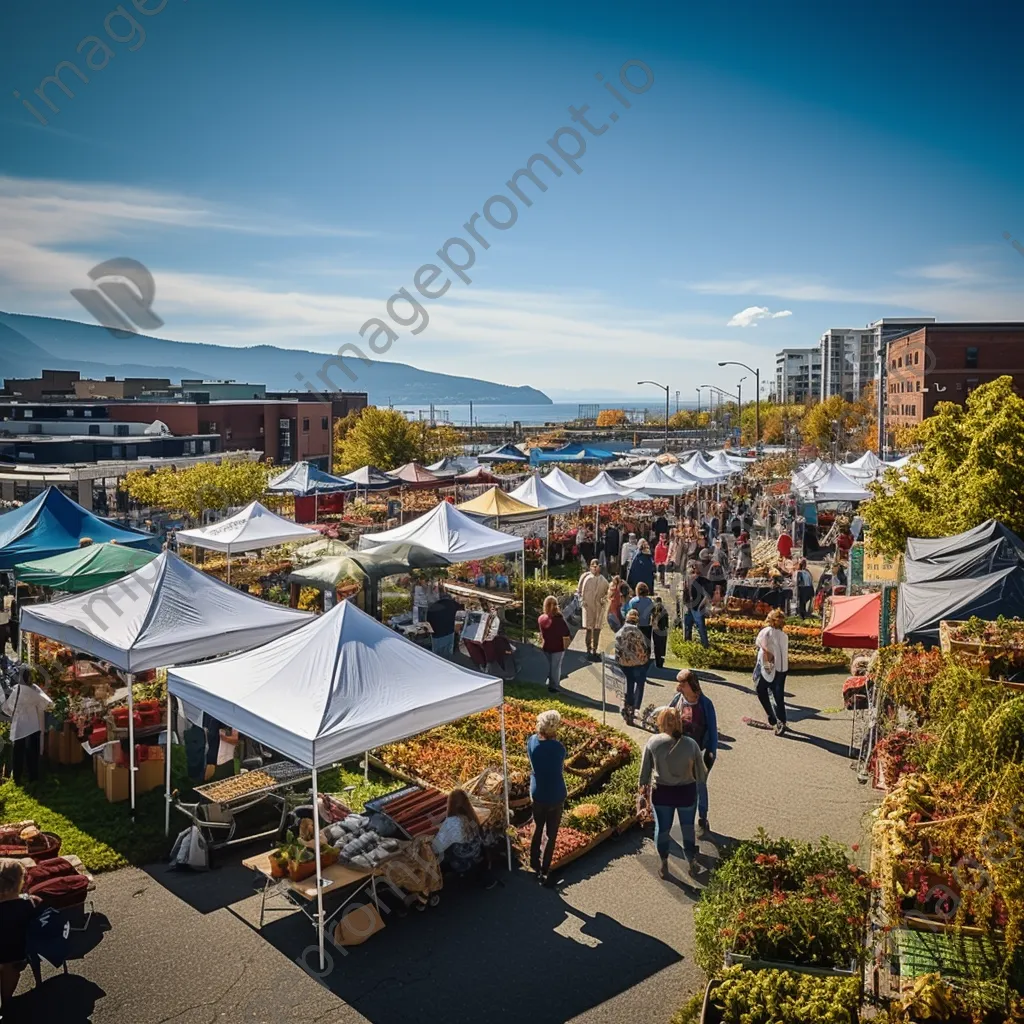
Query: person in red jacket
[[785, 545], [661, 557]]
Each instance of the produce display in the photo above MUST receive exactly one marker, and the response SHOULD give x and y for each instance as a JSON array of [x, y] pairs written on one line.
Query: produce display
[[947, 836], [601, 769], [237, 786], [420, 813], [783, 997], [784, 901], [732, 646]]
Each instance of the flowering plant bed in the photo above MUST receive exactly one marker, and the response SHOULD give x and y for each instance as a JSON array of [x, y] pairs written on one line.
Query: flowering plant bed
[[784, 901], [736, 650]]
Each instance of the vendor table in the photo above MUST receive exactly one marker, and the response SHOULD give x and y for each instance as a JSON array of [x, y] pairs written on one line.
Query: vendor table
[[748, 589], [336, 879], [498, 598]]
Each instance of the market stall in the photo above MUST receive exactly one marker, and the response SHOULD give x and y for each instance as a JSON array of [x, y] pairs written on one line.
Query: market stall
[[494, 505], [51, 523], [415, 477], [252, 529], [835, 485], [506, 453], [656, 482], [305, 481], [84, 568], [342, 685], [166, 613], [865, 469], [370, 478], [853, 622]]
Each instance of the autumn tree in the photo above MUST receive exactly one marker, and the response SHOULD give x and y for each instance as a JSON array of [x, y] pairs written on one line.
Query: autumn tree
[[612, 418], [380, 437], [970, 468], [835, 421], [440, 442], [207, 485]]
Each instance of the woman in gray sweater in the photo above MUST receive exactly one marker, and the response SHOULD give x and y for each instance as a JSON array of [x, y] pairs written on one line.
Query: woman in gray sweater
[[677, 766]]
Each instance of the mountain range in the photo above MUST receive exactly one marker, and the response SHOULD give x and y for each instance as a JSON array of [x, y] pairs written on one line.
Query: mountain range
[[30, 344]]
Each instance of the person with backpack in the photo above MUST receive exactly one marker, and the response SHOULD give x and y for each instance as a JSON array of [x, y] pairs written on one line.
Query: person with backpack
[[633, 654], [16, 914], [804, 589], [699, 720], [659, 631]]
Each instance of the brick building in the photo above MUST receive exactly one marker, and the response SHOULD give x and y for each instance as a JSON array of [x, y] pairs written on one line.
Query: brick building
[[944, 363], [286, 431]]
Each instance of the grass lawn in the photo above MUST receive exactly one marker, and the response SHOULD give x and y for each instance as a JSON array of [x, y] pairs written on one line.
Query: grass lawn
[[67, 801]]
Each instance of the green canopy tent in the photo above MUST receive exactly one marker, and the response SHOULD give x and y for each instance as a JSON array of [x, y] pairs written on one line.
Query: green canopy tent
[[85, 568], [371, 566]]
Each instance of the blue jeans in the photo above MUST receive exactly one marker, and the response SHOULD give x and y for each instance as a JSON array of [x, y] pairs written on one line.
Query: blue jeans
[[554, 660], [702, 796], [777, 689], [695, 617], [443, 645], [636, 676], [663, 825]]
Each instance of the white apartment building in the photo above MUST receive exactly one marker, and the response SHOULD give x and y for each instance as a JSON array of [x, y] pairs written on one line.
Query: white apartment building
[[797, 374]]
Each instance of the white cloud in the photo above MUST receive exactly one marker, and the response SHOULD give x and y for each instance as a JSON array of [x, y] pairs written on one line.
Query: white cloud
[[748, 317]]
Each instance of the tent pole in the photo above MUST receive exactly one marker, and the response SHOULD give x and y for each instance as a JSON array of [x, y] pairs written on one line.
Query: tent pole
[[523, 580], [366, 767], [604, 705], [229, 563], [167, 771], [504, 772], [131, 743], [547, 547], [319, 881]]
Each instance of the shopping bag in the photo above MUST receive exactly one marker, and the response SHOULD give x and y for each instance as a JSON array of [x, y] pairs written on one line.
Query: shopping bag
[[573, 612], [190, 850]]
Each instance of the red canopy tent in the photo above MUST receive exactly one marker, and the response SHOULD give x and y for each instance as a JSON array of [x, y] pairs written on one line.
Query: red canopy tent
[[415, 476], [478, 476], [853, 622]]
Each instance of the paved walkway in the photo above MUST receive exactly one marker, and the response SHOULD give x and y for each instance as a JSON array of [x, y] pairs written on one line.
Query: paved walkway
[[611, 944]]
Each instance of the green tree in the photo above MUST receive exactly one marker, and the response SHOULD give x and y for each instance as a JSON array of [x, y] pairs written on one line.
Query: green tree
[[206, 485], [837, 422], [440, 442], [970, 468], [380, 437]]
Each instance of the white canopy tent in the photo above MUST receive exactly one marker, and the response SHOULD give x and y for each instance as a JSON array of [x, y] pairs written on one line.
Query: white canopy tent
[[253, 528], [449, 532], [341, 685], [722, 462], [166, 613], [605, 490], [806, 475], [533, 491], [835, 485], [560, 481], [676, 472], [697, 466], [868, 467], [739, 460], [653, 480]]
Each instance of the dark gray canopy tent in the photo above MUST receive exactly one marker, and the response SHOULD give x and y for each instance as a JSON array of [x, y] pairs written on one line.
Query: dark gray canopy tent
[[922, 606], [931, 549], [981, 561]]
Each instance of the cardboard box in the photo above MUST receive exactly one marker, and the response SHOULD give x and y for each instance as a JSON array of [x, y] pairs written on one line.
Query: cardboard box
[[63, 746], [150, 775], [115, 783]]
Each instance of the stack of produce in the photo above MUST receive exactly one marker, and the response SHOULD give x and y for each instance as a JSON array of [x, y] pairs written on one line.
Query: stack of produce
[[419, 813]]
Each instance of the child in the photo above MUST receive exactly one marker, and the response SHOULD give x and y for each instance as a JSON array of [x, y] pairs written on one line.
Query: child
[[16, 911]]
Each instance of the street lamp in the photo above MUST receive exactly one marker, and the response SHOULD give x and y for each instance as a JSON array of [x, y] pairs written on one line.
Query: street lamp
[[664, 387], [698, 401], [757, 399]]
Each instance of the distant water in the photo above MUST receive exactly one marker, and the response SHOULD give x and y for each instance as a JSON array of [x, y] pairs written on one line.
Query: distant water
[[534, 415]]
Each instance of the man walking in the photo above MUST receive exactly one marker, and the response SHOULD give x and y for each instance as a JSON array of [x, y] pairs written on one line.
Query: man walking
[[593, 590], [696, 600]]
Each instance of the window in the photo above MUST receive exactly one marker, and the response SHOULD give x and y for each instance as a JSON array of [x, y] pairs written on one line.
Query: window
[[117, 451], [972, 383], [918, 385], [26, 414], [131, 451], [971, 360], [190, 447], [325, 423], [35, 428], [917, 358], [94, 429], [305, 426], [899, 362], [120, 430], [87, 413], [207, 447]]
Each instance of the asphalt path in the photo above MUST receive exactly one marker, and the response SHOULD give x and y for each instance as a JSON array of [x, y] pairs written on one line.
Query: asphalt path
[[611, 942]]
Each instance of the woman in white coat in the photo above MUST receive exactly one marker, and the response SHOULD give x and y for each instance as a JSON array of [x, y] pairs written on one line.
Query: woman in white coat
[[593, 593], [26, 707]]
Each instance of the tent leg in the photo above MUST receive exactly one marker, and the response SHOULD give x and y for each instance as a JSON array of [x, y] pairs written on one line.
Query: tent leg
[[524, 594], [131, 743], [319, 881], [604, 704], [229, 565], [167, 773], [504, 772], [366, 767]]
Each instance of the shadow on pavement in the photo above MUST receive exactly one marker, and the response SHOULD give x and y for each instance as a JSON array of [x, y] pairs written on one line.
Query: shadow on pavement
[[465, 958], [64, 998], [225, 883]]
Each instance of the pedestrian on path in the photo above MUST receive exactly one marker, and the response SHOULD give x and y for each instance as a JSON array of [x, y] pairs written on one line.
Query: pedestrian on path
[[629, 550], [696, 600], [618, 595], [676, 551], [804, 589], [771, 668], [659, 632], [547, 789], [700, 721], [661, 557], [673, 761], [593, 591], [611, 547], [641, 568], [26, 707], [643, 606], [632, 653], [556, 638]]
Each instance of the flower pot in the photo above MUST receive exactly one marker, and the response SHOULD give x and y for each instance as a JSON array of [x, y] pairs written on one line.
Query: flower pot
[[278, 867], [300, 870]]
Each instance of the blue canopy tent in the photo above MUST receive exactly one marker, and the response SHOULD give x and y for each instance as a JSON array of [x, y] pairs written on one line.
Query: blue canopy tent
[[305, 480], [51, 523], [572, 453], [506, 453]]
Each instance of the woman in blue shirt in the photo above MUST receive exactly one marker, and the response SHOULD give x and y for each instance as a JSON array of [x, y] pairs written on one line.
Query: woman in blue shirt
[[547, 789]]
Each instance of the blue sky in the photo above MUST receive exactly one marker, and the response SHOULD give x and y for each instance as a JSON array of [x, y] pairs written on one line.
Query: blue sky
[[284, 169]]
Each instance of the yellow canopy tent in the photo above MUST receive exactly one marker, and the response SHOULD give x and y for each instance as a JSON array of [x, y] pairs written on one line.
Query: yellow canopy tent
[[494, 503]]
